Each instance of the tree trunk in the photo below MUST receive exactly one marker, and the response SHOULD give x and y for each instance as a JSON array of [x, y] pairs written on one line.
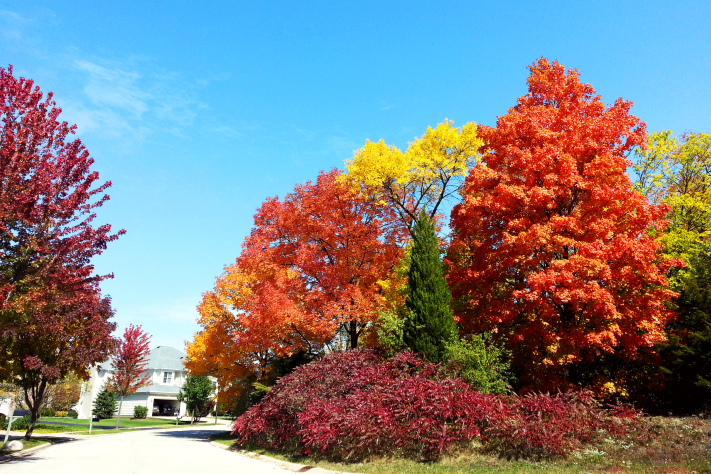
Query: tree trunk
[[33, 397], [352, 330], [118, 417]]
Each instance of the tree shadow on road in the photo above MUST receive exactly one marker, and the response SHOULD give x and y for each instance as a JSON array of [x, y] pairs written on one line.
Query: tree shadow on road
[[196, 434]]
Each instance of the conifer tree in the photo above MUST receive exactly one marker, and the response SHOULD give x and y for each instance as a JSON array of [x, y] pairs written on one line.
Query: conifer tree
[[105, 404], [429, 325]]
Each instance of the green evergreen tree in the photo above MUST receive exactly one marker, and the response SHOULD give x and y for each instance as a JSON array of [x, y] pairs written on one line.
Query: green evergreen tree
[[105, 404], [429, 325]]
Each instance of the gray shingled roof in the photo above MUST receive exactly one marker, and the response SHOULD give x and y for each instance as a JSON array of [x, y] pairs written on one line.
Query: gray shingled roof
[[166, 358]]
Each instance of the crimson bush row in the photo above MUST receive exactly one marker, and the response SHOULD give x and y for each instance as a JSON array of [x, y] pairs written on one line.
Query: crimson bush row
[[355, 404]]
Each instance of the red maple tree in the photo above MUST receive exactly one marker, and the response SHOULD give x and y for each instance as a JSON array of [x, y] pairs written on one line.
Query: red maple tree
[[58, 336], [552, 249], [52, 317], [129, 364]]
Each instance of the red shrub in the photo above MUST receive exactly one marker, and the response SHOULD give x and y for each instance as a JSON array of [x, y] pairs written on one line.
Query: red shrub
[[413, 416], [354, 404], [541, 425], [274, 421]]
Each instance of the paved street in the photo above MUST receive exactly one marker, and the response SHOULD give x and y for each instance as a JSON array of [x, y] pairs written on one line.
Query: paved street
[[174, 451]]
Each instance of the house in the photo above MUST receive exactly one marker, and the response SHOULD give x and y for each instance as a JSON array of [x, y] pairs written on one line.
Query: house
[[160, 397], [5, 406]]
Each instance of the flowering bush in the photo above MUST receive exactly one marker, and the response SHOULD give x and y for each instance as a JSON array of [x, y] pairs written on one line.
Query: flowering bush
[[356, 404]]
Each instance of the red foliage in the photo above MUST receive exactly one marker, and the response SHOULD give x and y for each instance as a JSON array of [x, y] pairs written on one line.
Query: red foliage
[[539, 425], [130, 362], [353, 405], [52, 318], [47, 198], [552, 250]]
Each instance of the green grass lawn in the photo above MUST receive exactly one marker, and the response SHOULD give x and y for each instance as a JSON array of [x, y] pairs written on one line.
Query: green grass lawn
[[125, 421], [82, 425]]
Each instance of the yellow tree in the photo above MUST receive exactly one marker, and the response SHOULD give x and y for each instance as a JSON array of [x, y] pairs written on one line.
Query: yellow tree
[[421, 177], [678, 172]]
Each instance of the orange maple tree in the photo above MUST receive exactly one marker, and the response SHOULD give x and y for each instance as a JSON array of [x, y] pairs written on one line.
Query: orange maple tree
[[222, 347], [325, 248], [552, 249], [309, 276]]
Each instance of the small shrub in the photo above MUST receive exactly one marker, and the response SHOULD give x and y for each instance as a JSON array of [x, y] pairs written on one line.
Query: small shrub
[[481, 363], [415, 417], [72, 413], [61, 413], [20, 424], [389, 329], [47, 411], [353, 404], [539, 426], [140, 412]]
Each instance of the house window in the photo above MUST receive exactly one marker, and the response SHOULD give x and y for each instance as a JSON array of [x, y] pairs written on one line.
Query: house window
[[167, 377]]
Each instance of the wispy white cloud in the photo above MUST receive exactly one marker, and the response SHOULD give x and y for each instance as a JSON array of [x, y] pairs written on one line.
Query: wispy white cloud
[[342, 147], [13, 28], [9, 30], [114, 88], [126, 99], [120, 99], [237, 130]]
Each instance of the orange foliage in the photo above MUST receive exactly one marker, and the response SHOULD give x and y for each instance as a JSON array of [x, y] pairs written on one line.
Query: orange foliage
[[308, 277], [325, 247], [552, 248], [219, 349]]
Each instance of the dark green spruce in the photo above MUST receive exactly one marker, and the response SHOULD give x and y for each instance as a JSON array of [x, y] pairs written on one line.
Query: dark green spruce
[[105, 404], [429, 324]]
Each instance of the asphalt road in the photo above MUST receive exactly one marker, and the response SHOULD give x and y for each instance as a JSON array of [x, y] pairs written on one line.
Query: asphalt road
[[170, 451]]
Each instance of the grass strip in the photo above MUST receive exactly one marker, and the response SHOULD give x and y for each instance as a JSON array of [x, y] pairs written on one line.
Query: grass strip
[[34, 442]]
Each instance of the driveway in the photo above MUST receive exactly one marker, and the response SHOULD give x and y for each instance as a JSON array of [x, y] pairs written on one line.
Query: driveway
[[174, 451]]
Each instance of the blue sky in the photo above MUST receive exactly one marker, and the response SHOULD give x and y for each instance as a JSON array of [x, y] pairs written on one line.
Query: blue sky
[[197, 112]]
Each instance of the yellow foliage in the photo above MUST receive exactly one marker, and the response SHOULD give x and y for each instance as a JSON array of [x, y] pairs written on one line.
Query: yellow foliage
[[422, 176], [677, 172]]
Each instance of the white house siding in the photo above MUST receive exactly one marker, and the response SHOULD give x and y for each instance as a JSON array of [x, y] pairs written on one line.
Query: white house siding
[[90, 390], [129, 403], [5, 406]]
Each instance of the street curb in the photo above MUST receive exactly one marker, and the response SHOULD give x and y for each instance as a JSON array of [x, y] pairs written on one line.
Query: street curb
[[291, 466], [25, 452]]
